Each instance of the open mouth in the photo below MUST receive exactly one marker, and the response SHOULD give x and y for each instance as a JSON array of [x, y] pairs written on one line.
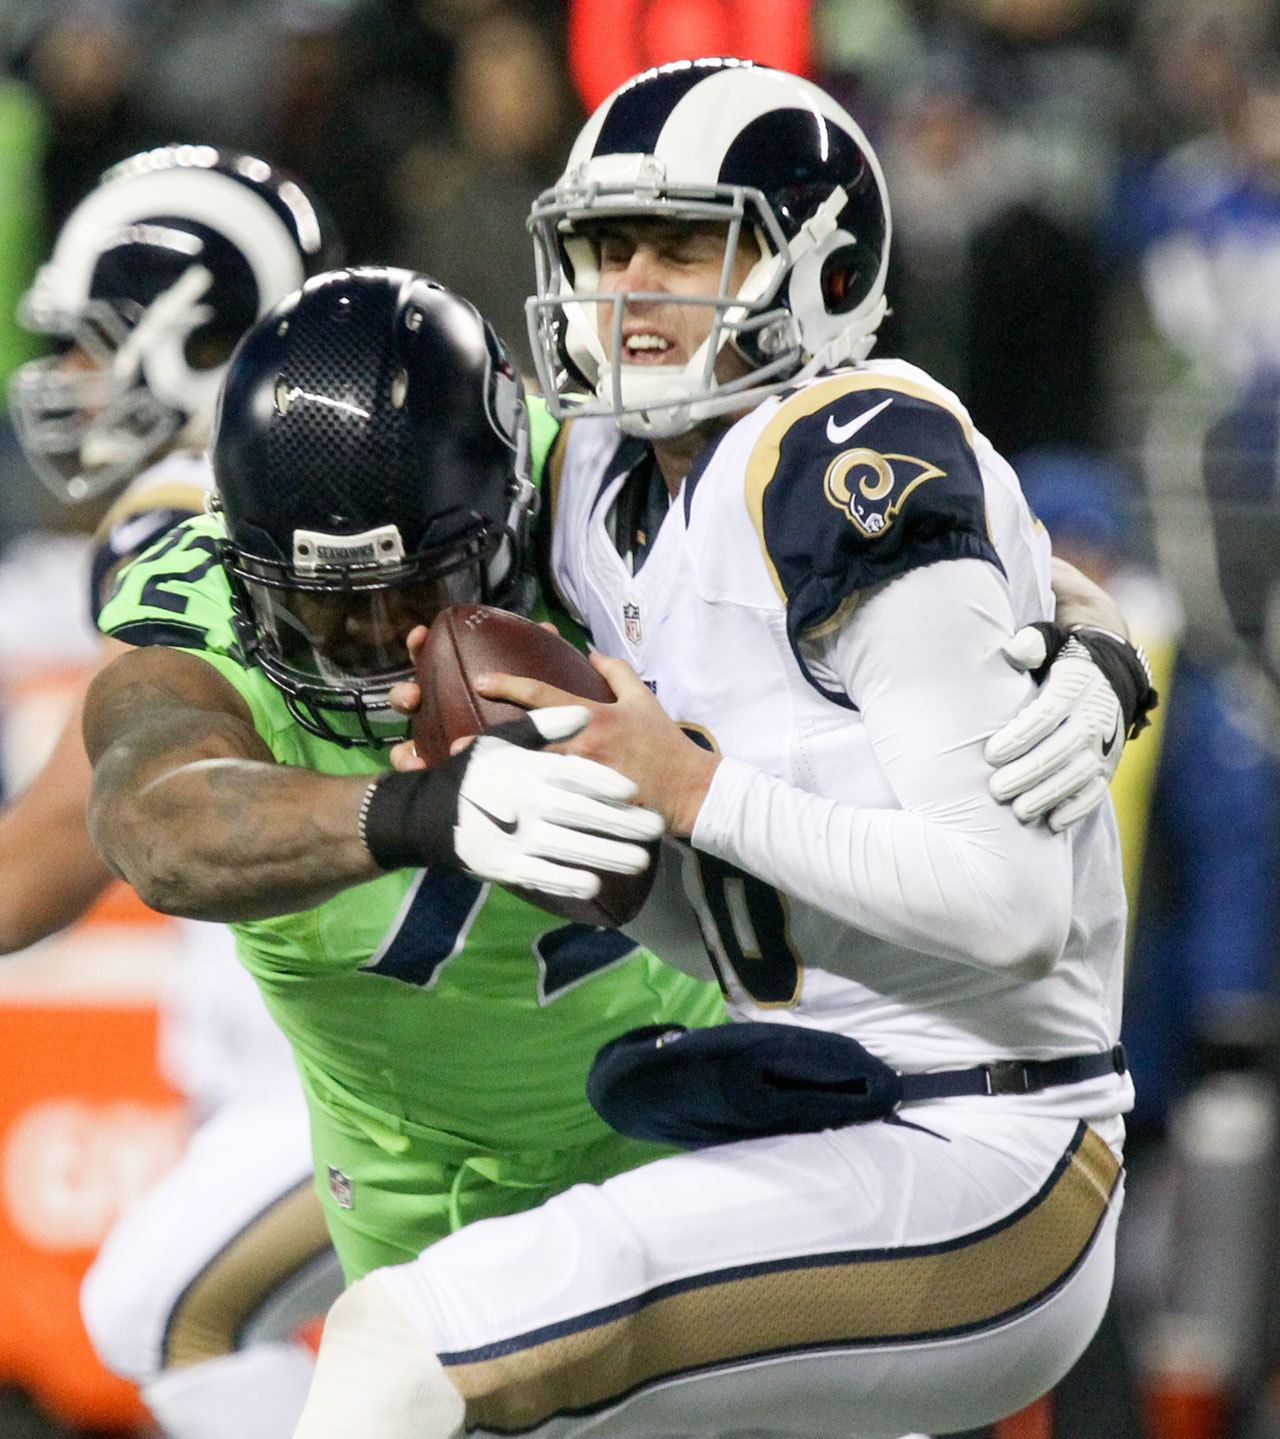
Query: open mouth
[[647, 347]]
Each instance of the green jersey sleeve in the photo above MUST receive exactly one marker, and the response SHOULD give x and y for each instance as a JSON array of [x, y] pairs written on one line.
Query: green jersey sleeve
[[542, 435], [175, 593]]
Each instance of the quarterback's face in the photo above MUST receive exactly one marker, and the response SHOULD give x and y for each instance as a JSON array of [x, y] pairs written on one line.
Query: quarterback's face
[[666, 258]]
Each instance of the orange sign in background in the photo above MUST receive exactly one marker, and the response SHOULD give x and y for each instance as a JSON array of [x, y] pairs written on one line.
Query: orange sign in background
[[86, 1125], [611, 40]]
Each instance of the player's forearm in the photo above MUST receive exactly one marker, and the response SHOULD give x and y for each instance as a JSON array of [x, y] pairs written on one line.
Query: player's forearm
[[40, 896], [50, 872], [227, 838], [948, 871], [1079, 601], [955, 890]]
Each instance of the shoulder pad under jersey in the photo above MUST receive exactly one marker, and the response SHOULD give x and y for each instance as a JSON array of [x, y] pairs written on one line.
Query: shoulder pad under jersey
[[858, 478]]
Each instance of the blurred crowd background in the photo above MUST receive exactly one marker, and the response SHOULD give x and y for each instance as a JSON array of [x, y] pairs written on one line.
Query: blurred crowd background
[[1087, 249]]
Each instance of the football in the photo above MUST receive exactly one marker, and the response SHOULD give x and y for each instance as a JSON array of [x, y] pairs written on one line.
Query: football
[[468, 640]]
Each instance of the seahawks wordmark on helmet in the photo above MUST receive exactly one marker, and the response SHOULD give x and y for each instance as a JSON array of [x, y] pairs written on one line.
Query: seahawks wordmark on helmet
[[371, 453], [784, 169], [153, 278]]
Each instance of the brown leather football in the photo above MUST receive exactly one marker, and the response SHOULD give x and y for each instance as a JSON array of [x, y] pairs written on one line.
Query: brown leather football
[[469, 640]]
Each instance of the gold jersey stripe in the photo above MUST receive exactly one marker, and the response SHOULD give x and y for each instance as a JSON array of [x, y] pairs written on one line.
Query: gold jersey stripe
[[762, 463], [886, 1296], [176, 496], [207, 1320], [555, 463]]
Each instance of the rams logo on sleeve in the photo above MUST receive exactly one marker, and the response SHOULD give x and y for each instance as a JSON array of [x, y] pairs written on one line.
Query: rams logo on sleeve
[[857, 479], [870, 488]]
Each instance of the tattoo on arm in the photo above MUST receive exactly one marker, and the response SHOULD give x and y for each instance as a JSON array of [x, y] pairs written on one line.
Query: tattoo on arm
[[191, 808]]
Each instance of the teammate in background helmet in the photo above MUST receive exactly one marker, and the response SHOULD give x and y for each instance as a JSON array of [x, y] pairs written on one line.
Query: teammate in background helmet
[[154, 277], [799, 567]]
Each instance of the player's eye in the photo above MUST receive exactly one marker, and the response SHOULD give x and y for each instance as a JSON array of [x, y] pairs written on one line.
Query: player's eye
[[615, 251]]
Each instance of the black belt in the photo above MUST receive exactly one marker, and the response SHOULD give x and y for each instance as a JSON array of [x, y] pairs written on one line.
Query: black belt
[[1012, 1076], [697, 1087]]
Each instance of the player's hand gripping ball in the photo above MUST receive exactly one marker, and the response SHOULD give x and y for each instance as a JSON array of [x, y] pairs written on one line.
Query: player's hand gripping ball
[[470, 640]]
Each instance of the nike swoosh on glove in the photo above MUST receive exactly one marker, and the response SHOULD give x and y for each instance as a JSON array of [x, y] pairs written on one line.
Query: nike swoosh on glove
[[505, 810], [1055, 759]]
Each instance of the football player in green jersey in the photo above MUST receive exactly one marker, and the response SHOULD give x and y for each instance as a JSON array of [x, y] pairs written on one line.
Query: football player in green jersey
[[372, 460]]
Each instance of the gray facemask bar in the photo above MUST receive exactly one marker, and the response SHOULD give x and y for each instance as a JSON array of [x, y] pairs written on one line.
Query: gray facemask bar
[[59, 413], [559, 209]]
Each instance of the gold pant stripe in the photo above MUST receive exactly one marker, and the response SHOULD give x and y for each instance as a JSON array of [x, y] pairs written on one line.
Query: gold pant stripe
[[211, 1312], [877, 1296]]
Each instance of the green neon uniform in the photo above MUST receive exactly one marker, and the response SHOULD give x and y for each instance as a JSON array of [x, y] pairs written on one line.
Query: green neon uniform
[[442, 1027]]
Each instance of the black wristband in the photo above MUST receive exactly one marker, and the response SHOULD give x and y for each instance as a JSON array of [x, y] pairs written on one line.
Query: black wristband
[[409, 818]]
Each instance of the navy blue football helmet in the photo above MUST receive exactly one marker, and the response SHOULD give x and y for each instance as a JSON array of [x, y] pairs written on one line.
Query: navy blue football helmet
[[371, 454], [792, 179], [153, 279]]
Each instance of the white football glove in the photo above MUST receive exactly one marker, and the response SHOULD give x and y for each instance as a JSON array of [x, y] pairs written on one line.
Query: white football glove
[[527, 818], [1055, 758], [505, 810]]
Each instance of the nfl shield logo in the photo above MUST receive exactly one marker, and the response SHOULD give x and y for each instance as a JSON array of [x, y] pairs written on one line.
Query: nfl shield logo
[[631, 624], [341, 1188]]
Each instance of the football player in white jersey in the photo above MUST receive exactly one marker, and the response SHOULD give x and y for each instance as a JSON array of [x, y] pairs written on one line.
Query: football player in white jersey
[[804, 572], [153, 278]]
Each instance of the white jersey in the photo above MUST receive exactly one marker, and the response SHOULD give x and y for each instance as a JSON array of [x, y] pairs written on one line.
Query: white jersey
[[762, 620]]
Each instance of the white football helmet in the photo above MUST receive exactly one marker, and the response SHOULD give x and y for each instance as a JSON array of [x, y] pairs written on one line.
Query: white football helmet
[[154, 277], [783, 167]]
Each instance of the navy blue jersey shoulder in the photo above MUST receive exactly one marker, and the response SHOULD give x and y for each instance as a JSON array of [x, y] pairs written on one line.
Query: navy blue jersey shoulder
[[861, 483]]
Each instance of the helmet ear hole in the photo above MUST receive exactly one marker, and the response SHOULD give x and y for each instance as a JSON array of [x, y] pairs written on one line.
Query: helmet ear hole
[[847, 275]]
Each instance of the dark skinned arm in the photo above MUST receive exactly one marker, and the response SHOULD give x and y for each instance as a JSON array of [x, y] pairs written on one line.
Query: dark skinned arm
[[191, 808]]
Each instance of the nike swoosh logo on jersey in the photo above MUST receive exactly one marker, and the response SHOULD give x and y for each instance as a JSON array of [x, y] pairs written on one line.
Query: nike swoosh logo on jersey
[[507, 826], [838, 434], [1110, 744]]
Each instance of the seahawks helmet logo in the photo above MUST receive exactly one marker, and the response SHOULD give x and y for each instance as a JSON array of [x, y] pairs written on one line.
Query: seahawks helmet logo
[[870, 488]]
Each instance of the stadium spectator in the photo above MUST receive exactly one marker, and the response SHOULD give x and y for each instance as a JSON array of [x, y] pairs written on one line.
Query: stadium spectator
[[996, 293], [463, 203], [1199, 810]]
